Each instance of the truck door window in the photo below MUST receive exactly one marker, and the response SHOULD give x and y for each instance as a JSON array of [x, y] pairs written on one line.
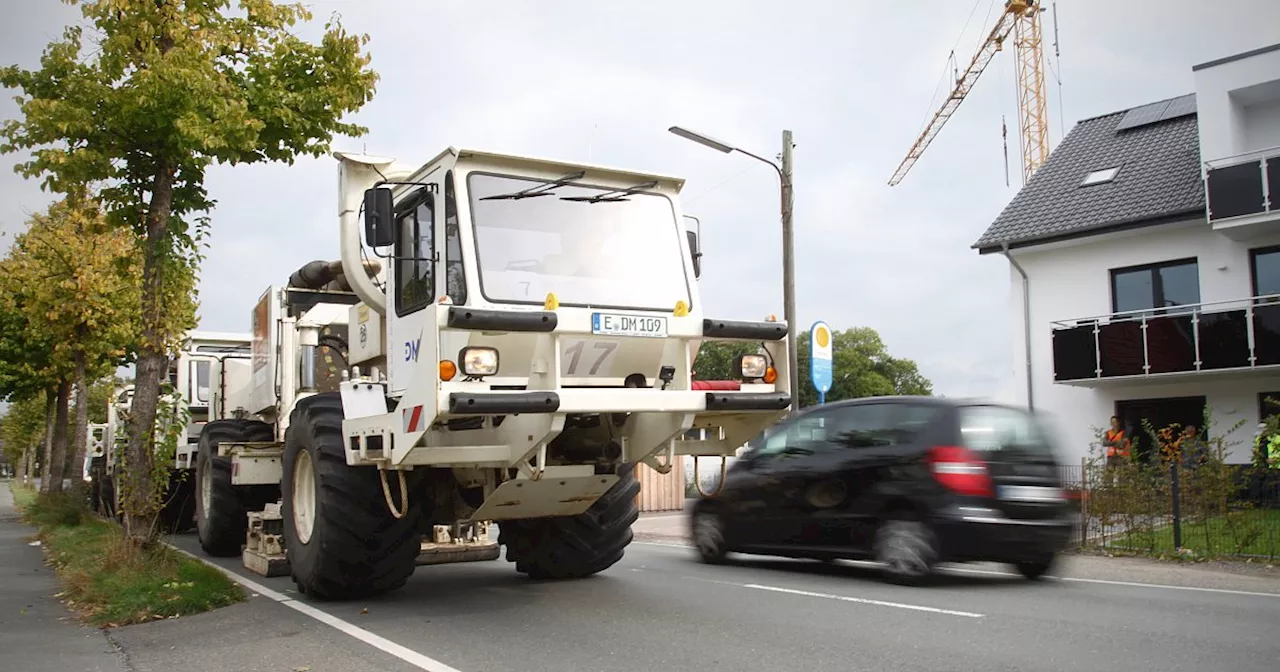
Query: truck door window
[[200, 381], [454, 272], [415, 249]]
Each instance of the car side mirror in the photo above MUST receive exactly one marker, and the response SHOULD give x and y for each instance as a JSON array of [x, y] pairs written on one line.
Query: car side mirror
[[695, 253], [378, 212]]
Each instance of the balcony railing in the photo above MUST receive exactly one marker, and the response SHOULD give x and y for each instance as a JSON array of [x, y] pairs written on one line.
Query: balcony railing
[[1220, 336], [1243, 185]]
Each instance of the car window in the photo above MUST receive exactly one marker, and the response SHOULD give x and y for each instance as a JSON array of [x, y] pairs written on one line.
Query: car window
[[878, 425], [991, 429], [805, 432]]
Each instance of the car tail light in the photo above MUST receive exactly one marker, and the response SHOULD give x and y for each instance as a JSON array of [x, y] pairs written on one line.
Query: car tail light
[[960, 470]]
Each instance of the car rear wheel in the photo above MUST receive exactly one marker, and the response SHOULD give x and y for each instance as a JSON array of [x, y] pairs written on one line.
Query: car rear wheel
[[1035, 569], [708, 536], [907, 550]]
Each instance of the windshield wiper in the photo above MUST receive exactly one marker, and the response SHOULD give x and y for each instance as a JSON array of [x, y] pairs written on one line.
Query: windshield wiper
[[538, 190], [614, 195]]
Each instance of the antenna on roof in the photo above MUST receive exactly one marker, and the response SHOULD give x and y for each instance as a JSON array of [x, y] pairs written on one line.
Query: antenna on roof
[[1057, 73]]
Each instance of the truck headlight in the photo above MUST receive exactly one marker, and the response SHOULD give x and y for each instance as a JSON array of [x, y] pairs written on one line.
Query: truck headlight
[[478, 361], [752, 367]]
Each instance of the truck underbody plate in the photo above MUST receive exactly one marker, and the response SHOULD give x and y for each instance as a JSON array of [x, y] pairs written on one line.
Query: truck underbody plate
[[504, 402], [747, 401], [548, 496], [502, 320]]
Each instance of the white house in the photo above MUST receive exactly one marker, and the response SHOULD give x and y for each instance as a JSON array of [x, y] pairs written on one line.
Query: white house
[[1145, 262]]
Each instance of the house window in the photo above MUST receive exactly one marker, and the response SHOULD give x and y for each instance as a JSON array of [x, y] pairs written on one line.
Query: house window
[[1155, 287], [1100, 176], [1265, 266]]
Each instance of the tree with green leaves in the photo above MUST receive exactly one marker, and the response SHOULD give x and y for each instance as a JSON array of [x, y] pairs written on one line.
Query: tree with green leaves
[[861, 366], [74, 283], [22, 431], [168, 89]]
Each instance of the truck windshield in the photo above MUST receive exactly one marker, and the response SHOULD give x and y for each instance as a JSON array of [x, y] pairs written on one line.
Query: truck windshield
[[615, 253]]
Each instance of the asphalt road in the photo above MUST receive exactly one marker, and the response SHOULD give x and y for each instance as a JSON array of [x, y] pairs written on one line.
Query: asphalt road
[[661, 610]]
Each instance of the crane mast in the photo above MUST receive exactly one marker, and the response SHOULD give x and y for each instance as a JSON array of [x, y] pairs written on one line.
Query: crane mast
[[1021, 18]]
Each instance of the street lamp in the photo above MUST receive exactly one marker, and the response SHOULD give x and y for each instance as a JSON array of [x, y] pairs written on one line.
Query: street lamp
[[788, 248]]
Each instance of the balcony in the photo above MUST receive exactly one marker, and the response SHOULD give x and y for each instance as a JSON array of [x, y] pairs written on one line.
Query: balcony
[[1243, 193], [1225, 338]]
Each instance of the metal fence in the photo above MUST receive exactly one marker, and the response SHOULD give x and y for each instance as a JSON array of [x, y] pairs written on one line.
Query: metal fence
[[1214, 510]]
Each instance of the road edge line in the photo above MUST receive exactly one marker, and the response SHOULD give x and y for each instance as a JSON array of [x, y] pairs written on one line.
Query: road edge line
[[418, 660]]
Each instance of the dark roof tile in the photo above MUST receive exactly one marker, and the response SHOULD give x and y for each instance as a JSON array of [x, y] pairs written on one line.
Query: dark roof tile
[[1159, 177]]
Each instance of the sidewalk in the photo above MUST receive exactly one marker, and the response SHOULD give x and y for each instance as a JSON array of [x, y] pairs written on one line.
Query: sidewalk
[[38, 634], [668, 526], [36, 630]]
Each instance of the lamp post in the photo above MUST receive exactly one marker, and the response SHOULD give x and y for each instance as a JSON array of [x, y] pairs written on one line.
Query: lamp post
[[788, 248]]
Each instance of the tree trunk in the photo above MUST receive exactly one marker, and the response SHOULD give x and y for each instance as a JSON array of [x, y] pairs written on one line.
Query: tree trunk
[[80, 433], [140, 502], [21, 469], [58, 459], [50, 403]]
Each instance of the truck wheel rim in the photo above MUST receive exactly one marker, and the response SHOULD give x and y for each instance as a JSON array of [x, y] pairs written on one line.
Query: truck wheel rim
[[206, 491], [304, 496]]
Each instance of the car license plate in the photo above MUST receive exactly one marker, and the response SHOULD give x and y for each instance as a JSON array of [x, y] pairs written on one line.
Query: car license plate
[[1030, 493], [644, 326]]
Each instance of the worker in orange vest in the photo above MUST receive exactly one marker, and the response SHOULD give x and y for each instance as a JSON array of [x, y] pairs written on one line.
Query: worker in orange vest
[[1116, 443]]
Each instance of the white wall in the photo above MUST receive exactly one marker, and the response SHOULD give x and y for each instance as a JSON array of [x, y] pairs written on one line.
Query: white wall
[[1223, 113], [1262, 126], [1072, 280]]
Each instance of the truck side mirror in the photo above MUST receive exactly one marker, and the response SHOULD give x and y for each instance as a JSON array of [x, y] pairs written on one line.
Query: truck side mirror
[[378, 207], [695, 253]]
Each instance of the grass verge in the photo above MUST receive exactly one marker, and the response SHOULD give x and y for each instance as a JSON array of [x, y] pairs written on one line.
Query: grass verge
[[23, 495], [109, 581], [1251, 533]]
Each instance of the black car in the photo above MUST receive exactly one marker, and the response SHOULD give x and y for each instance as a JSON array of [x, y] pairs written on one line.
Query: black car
[[906, 481]]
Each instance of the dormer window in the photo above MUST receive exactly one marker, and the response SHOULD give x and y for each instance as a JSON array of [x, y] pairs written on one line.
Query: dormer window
[[1100, 176]]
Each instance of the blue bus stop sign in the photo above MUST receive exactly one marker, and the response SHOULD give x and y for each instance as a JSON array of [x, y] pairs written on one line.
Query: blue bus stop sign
[[820, 356]]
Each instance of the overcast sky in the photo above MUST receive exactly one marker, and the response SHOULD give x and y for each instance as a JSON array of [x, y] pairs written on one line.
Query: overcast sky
[[601, 82]]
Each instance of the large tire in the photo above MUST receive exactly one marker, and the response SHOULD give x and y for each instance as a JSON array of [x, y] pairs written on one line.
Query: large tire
[[178, 514], [573, 547], [96, 476], [343, 543], [221, 508]]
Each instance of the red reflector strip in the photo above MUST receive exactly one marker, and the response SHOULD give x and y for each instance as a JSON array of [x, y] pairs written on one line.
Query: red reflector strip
[[717, 385]]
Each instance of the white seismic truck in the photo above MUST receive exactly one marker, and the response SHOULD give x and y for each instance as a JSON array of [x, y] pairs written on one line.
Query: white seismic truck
[[211, 368], [524, 342]]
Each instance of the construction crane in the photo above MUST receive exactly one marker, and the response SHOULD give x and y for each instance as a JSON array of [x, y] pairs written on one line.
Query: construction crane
[[1022, 18]]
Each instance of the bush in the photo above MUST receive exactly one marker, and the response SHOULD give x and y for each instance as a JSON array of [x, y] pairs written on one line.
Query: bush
[[64, 509], [1131, 504]]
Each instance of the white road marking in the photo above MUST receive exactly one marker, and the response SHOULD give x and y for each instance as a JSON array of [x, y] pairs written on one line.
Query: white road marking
[[376, 641], [968, 570], [861, 600], [831, 596]]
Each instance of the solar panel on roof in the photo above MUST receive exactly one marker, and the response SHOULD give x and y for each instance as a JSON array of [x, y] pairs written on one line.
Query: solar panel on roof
[[1141, 116], [1180, 107]]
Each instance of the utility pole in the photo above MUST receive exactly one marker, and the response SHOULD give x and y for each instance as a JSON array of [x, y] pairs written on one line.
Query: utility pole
[[788, 271], [788, 245]]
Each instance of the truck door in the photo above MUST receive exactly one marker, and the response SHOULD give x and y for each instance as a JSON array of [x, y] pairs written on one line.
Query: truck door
[[414, 285]]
